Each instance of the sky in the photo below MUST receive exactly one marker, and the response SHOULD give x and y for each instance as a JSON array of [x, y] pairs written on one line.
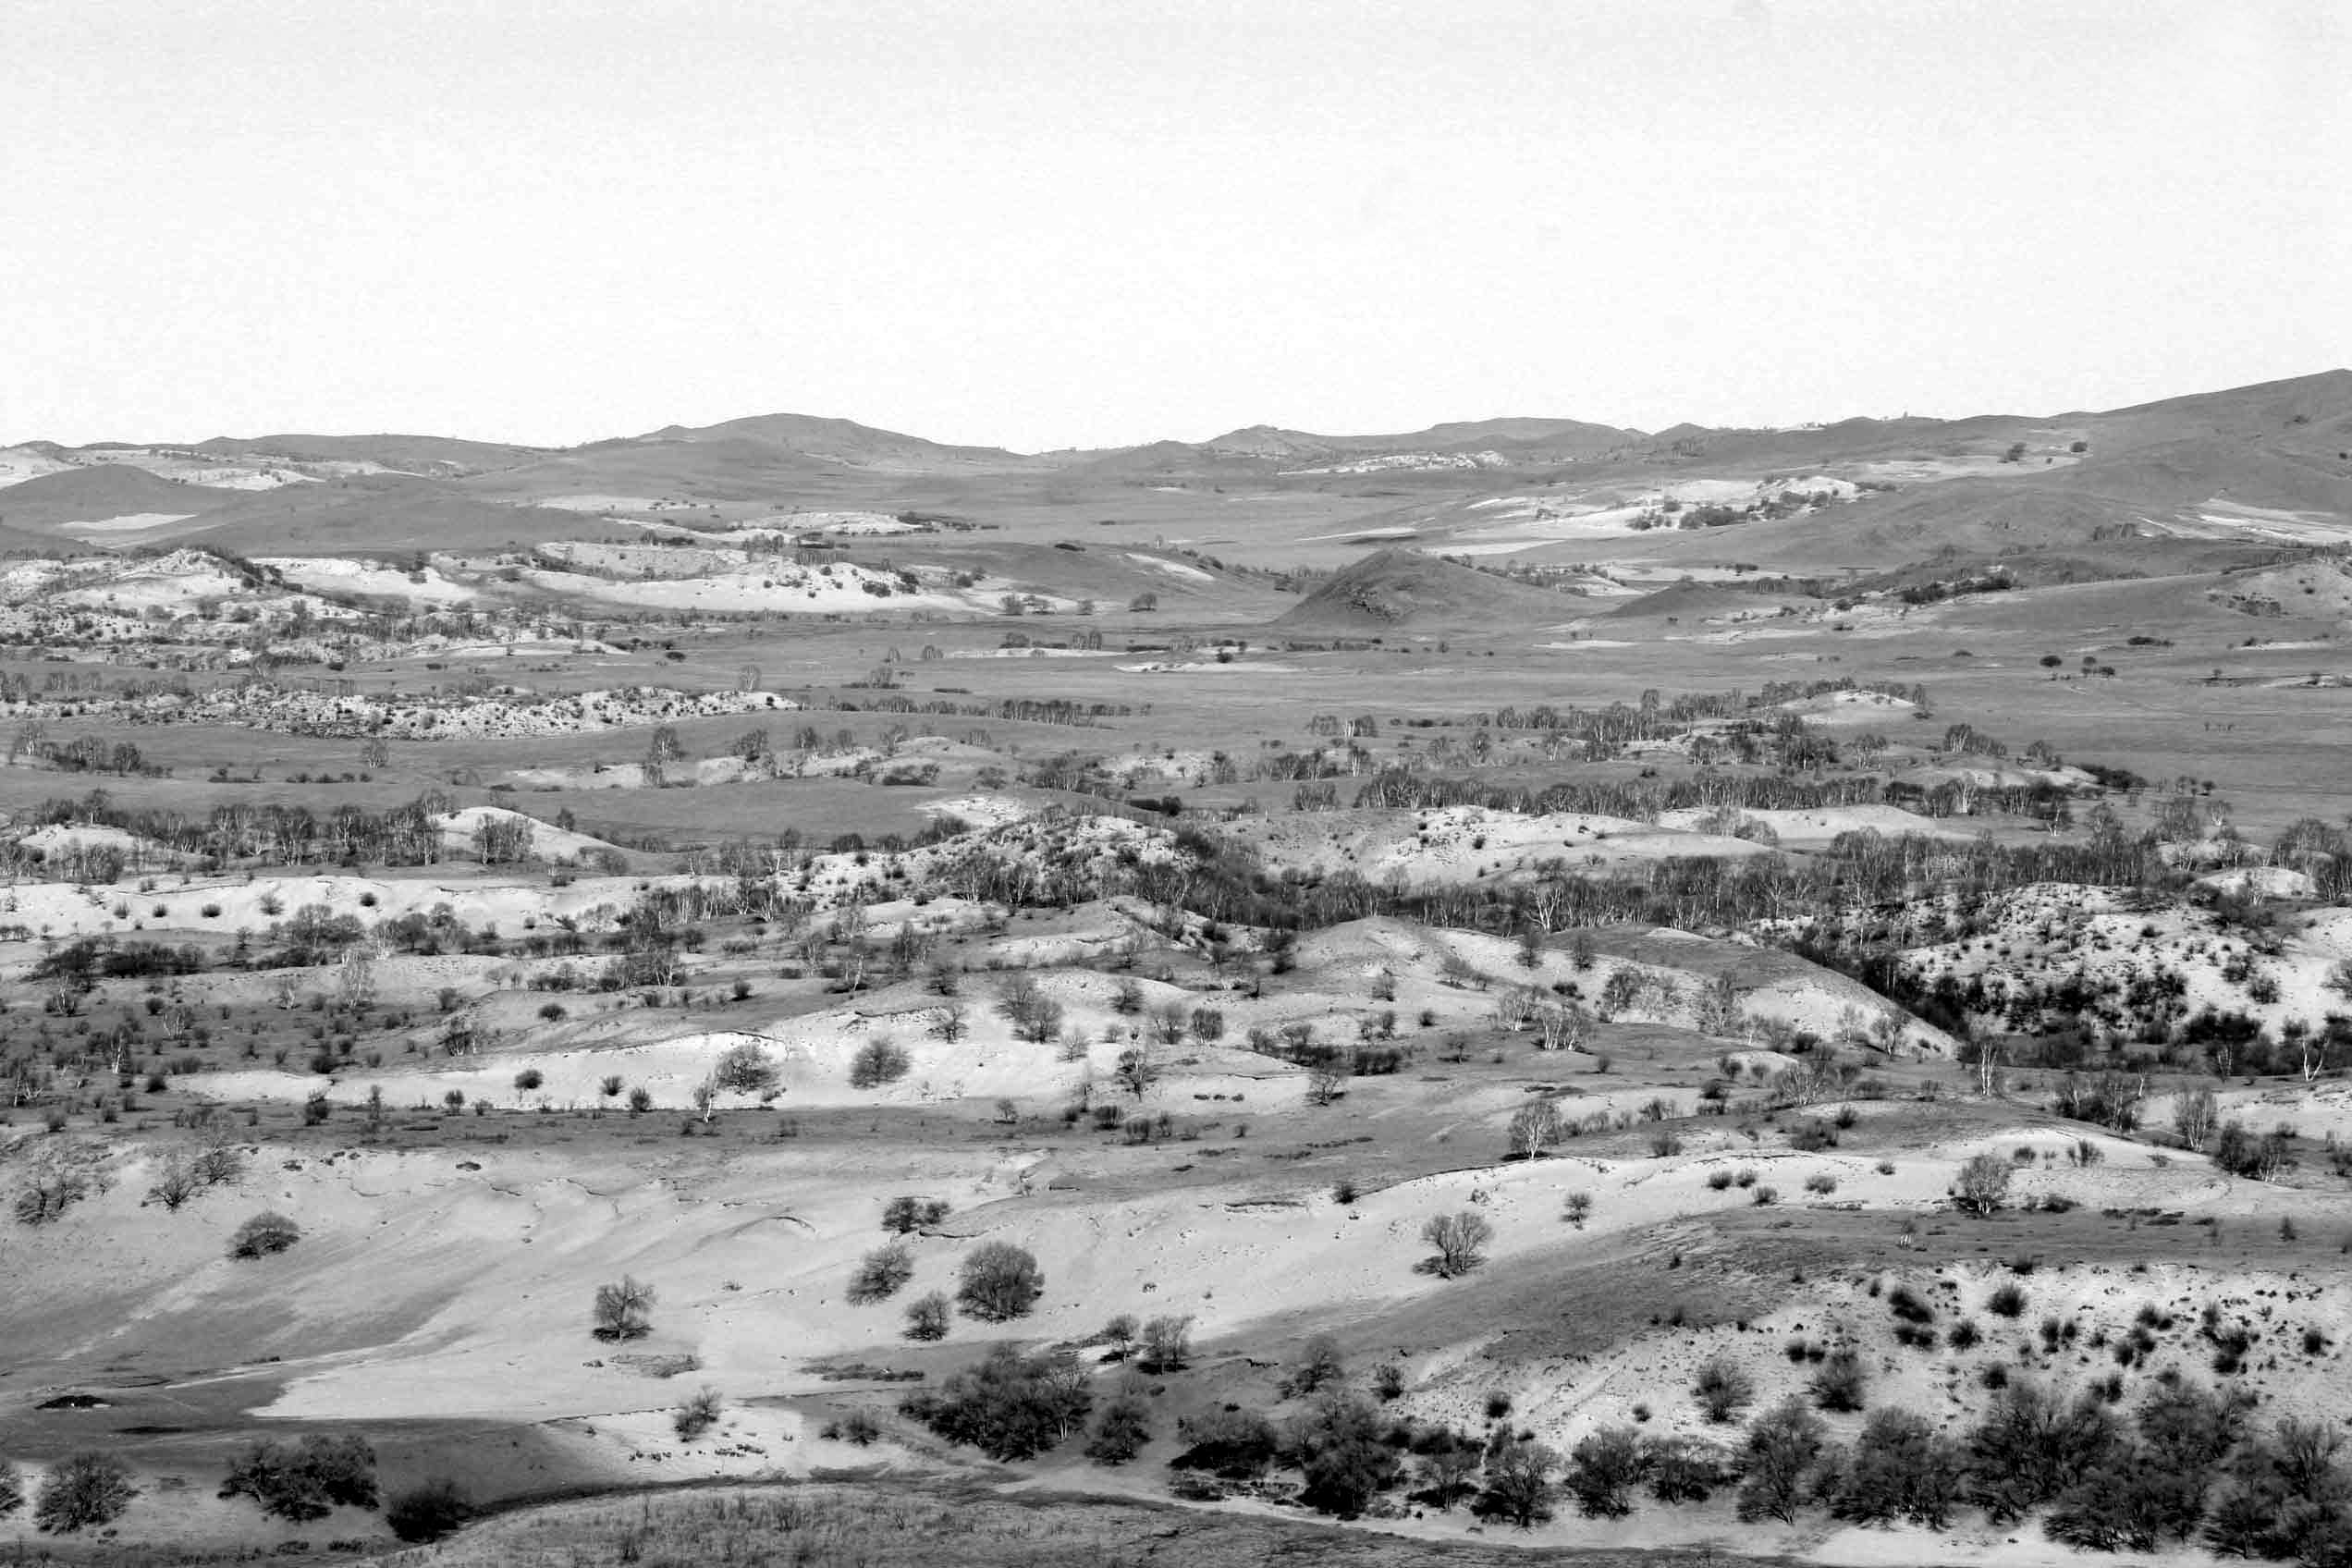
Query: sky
[[1009, 223]]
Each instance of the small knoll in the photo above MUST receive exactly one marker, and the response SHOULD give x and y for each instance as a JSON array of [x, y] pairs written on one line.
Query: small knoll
[[1405, 589], [1698, 600]]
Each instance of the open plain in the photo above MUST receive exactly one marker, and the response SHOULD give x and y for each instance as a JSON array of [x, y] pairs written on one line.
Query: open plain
[[782, 992]]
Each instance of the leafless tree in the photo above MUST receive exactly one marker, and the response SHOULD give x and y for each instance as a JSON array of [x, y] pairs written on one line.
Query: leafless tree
[[1461, 1240]]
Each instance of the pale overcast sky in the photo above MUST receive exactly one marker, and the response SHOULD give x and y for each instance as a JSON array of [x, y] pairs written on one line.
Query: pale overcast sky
[[1084, 224]]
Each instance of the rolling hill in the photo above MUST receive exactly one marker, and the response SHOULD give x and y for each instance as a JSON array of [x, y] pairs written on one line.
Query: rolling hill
[[98, 494], [373, 514]]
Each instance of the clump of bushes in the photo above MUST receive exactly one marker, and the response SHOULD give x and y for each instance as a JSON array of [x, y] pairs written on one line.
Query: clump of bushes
[[1009, 1405], [264, 1234], [427, 1510], [307, 1480]]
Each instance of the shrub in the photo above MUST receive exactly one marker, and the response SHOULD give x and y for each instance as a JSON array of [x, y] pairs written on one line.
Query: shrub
[[1723, 1389], [306, 1481], [1603, 1469], [427, 1510], [1519, 1486], [1783, 1447], [1899, 1469], [2030, 1447], [1343, 1462], [878, 1062], [264, 1234], [1121, 1428], [696, 1415], [2007, 1300], [623, 1310], [927, 1317], [80, 1492], [1907, 1304], [1842, 1381], [1718, 1179], [1320, 1363], [1685, 1469], [1234, 1444], [1577, 1209], [881, 1273], [1820, 1183], [12, 1493], [998, 1283]]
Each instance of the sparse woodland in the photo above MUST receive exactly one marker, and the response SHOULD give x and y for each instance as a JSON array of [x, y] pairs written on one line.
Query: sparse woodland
[[1801, 1020]]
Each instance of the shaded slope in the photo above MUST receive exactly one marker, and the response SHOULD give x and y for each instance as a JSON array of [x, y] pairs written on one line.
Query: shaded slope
[[99, 492], [375, 515]]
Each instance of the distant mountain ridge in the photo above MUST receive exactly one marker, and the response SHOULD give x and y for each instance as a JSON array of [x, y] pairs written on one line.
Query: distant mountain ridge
[[2322, 402], [2268, 461]]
